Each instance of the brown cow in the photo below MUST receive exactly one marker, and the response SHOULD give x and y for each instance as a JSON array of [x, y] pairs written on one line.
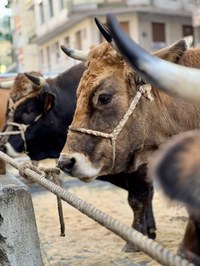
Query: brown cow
[[4, 95], [100, 141], [177, 163], [5, 85], [106, 91], [46, 136]]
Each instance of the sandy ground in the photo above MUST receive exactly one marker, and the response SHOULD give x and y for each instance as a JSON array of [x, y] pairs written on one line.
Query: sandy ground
[[89, 244]]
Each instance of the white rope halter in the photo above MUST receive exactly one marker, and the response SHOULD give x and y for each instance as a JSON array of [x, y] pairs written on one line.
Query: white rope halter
[[145, 90], [22, 127]]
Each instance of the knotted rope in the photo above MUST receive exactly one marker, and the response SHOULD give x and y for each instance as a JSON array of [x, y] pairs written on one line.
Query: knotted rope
[[150, 247], [46, 173], [144, 89]]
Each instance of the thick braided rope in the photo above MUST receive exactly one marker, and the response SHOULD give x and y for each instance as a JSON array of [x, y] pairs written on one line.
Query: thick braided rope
[[54, 172], [144, 89], [47, 173], [150, 247]]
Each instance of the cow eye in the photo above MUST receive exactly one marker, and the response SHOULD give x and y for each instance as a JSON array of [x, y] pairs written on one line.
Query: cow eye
[[105, 98]]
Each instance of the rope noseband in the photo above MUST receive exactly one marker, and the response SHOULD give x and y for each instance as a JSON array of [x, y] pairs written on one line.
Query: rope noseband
[[145, 90], [21, 127]]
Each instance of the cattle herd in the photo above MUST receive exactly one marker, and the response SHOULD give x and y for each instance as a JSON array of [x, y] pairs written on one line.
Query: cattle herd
[[123, 116]]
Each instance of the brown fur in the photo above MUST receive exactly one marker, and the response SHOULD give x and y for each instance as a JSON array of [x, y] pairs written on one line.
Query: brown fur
[[150, 125], [177, 167], [4, 95], [22, 86]]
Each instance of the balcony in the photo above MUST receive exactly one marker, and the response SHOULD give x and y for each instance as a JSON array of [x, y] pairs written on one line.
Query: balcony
[[81, 5]]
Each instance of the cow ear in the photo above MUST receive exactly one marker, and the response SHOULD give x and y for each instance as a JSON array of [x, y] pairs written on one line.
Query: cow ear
[[174, 52], [48, 99]]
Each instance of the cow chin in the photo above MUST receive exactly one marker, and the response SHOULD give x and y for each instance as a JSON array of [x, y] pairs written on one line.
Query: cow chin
[[11, 151], [87, 179], [78, 165]]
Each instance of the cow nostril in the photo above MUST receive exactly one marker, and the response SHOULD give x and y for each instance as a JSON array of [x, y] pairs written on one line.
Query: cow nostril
[[3, 148], [67, 165], [71, 163]]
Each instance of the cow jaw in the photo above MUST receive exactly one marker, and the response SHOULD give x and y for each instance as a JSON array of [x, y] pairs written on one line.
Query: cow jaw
[[78, 165]]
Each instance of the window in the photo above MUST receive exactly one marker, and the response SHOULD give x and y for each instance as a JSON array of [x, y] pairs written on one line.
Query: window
[[78, 40], [41, 57], [41, 7], [67, 41], [48, 58], [123, 24], [62, 4], [67, 44], [57, 52], [187, 30], [50, 8], [158, 35]]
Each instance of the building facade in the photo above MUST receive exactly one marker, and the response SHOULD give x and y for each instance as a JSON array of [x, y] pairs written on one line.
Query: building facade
[[48, 24], [23, 30], [6, 56]]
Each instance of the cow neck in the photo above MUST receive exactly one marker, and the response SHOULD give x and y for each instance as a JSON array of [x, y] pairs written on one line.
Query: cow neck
[[21, 127], [145, 90]]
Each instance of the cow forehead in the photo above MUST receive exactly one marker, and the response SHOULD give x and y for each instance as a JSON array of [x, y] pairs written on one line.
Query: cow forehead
[[22, 86], [103, 62]]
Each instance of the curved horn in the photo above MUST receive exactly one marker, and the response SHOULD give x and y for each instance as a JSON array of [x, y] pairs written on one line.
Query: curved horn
[[176, 80], [105, 32], [38, 81], [75, 54], [189, 40], [6, 84]]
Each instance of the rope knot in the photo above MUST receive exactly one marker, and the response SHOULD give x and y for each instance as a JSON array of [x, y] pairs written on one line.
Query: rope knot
[[50, 173], [22, 127], [24, 165], [145, 89]]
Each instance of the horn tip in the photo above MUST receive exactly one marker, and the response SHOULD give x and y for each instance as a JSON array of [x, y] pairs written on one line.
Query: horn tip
[[103, 29], [35, 80], [66, 50]]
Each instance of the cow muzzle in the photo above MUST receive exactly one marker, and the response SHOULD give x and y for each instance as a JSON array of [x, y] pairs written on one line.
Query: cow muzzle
[[78, 165]]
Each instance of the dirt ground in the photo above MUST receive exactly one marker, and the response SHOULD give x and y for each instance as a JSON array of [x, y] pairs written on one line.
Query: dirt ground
[[89, 244]]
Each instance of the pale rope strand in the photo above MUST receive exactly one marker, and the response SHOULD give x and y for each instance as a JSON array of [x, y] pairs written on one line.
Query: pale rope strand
[[22, 128], [150, 247], [8, 133]]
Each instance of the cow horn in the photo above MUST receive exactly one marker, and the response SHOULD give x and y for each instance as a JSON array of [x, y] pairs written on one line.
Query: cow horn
[[176, 80], [38, 81], [105, 32], [75, 54], [6, 84], [189, 40]]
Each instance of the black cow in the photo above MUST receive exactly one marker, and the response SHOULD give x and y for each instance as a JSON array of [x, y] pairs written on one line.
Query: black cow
[[46, 109]]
